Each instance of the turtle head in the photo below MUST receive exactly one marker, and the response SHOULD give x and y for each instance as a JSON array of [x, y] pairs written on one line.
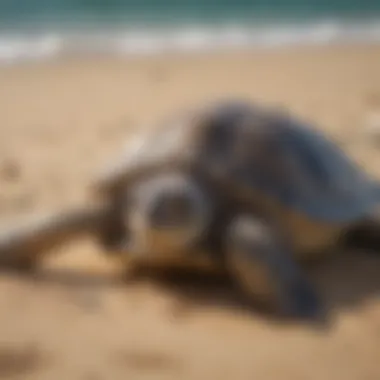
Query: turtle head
[[168, 213]]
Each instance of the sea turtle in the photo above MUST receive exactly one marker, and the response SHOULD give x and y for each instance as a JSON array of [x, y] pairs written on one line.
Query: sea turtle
[[234, 186]]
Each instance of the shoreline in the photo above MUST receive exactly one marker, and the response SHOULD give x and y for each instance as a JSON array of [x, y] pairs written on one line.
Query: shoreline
[[148, 41], [83, 58]]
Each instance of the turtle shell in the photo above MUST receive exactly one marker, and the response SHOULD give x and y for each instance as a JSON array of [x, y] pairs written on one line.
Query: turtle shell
[[261, 150], [248, 149]]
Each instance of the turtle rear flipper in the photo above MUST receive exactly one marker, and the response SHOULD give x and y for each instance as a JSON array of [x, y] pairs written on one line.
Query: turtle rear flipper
[[21, 246]]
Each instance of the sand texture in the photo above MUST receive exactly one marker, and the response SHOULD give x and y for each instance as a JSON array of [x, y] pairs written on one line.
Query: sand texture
[[76, 319]]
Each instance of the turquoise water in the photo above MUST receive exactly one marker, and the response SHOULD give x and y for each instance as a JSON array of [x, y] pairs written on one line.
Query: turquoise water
[[32, 29], [21, 11]]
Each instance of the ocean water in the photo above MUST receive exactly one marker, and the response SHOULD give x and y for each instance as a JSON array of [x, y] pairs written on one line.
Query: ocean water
[[42, 29]]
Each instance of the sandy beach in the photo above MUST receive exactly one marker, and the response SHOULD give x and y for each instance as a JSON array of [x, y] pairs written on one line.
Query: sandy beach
[[75, 319]]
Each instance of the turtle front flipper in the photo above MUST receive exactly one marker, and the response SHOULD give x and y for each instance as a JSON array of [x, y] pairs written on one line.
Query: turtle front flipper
[[22, 245], [266, 272]]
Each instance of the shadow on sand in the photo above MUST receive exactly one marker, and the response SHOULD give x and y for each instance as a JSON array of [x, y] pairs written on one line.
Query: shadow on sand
[[345, 281]]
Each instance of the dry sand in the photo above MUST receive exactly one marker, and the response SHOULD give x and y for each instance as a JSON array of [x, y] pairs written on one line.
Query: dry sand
[[60, 120]]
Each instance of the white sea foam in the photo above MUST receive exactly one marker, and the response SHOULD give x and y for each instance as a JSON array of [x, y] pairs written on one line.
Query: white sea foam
[[16, 47]]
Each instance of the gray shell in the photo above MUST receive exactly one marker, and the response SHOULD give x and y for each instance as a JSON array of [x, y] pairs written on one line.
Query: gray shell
[[251, 148]]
